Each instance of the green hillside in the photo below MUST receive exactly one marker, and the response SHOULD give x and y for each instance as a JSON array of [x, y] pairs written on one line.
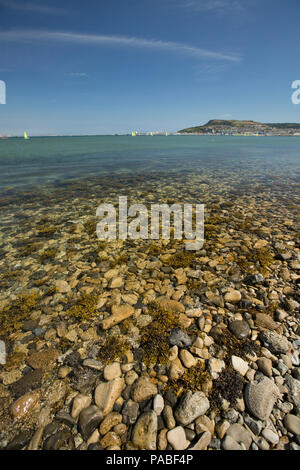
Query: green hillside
[[249, 125]]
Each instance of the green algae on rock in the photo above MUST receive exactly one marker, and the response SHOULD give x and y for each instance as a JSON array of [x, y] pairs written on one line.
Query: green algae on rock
[[84, 308], [12, 316], [154, 337], [194, 379], [182, 259], [113, 348], [229, 386]]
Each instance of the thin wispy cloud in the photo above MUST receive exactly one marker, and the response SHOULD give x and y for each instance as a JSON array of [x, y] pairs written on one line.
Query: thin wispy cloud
[[133, 42], [210, 72], [212, 5], [31, 7], [76, 74]]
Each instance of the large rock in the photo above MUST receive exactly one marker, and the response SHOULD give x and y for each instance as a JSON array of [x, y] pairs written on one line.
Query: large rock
[[119, 313], [240, 435], [143, 389], [191, 406], [176, 437], [44, 360], [233, 296], [276, 343], [293, 386], [171, 305], [187, 358], [130, 412], [176, 369], [265, 321], [107, 393], [24, 405], [240, 329], [145, 431], [260, 396], [239, 365], [27, 382], [112, 371], [229, 443], [61, 440], [111, 420], [202, 442], [292, 424], [215, 298], [89, 419], [265, 365], [80, 402]]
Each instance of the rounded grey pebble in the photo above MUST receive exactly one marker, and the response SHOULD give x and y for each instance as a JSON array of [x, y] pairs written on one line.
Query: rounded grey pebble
[[215, 444], [240, 328], [292, 424]]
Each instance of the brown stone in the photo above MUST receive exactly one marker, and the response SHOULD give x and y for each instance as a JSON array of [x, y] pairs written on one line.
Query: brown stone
[[143, 389], [171, 305], [110, 439], [111, 420], [119, 313], [24, 404], [107, 393], [265, 321], [44, 360]]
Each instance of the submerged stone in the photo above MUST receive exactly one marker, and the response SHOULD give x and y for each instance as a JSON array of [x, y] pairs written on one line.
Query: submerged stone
[[145, 431]]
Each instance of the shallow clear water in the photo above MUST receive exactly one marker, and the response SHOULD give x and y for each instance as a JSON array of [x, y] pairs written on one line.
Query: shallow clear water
[[43, 160]]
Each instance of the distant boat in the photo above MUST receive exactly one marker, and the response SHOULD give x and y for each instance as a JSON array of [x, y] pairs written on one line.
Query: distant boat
[[151, 133], [133, 134], [25, 135]]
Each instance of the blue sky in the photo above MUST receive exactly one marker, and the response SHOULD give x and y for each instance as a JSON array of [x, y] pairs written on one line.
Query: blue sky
[[100, 67]]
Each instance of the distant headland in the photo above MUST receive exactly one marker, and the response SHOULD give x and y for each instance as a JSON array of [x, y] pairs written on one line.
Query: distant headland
[[234, 127]]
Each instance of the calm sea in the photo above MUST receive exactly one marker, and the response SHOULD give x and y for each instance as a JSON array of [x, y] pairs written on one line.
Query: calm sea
[[43, 160]]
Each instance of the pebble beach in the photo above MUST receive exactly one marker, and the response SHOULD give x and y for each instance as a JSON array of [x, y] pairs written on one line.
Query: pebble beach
[[141, 344]]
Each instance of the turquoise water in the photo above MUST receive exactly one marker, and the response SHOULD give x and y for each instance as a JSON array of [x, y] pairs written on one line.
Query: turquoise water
[[43, 160]]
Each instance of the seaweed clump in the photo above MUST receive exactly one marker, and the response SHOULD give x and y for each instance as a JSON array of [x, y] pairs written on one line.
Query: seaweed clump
[[212, 226], [263, 256], [46, 230], [122, 259], [47, 255], [194, 379], [232, 346], [114, 348], [182, 259], [12, 316], [257, 260], [229, 386], [29, 248], [192, 284], [154, 337], [9, 277], [84, 308], [90, 227], [154, 250]]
